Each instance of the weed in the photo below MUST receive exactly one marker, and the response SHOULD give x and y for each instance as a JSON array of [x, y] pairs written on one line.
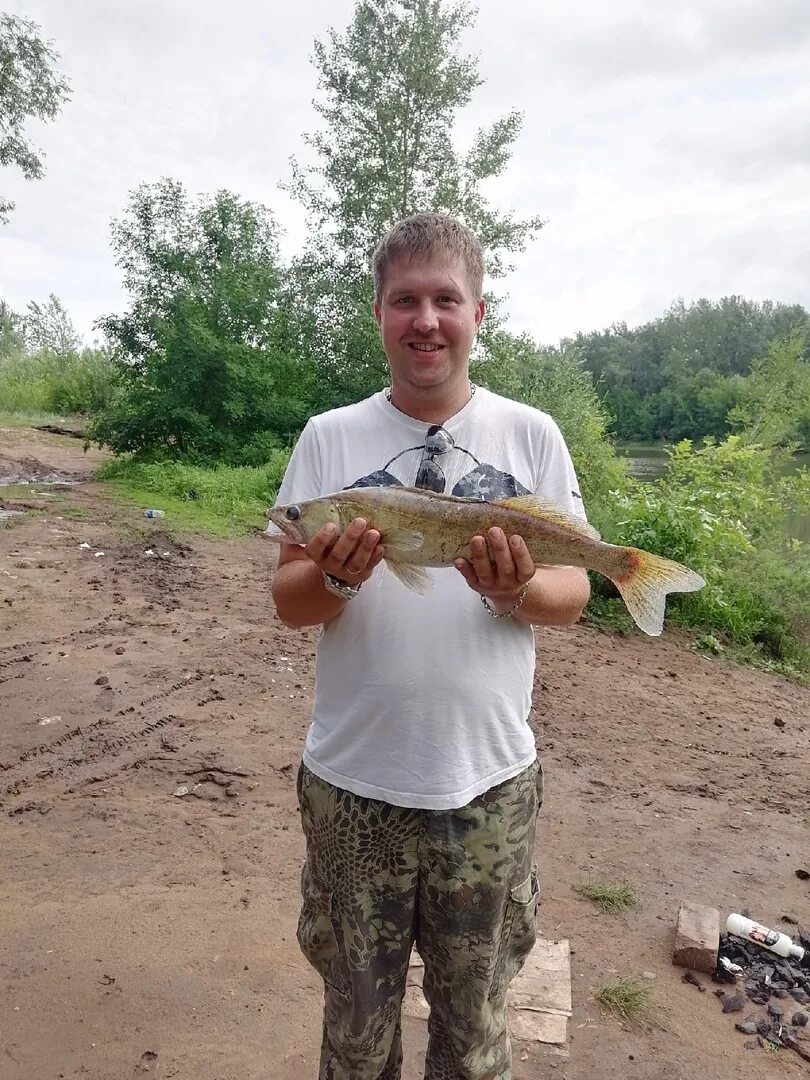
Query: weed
[[610, 898], [630, 998]]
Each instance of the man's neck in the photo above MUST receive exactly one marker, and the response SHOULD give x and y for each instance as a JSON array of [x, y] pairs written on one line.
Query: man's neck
[[427, 406]]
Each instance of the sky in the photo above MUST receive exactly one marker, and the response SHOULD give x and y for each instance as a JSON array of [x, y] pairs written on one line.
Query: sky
[[667, 146]]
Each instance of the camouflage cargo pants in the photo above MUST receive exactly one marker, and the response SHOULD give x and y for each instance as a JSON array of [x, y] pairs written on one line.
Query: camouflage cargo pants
[[458, 883]]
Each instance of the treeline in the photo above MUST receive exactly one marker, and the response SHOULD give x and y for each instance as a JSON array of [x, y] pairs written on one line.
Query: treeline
[[686, 374]]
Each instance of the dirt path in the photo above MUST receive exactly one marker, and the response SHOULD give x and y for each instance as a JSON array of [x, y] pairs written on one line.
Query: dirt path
[[139, 922]]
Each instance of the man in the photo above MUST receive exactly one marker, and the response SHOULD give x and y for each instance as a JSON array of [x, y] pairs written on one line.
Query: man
[[419, 787]]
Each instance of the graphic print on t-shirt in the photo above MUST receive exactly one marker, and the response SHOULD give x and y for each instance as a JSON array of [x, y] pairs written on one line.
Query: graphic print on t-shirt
[[483, 482]]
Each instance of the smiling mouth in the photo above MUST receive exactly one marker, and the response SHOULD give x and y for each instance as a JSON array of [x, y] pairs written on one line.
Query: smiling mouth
[[425, 348]]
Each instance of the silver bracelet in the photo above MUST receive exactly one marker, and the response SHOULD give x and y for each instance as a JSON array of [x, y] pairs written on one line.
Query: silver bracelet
[[507, 614]]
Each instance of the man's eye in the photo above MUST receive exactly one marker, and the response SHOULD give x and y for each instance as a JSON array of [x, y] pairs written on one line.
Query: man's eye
[[404, 300]]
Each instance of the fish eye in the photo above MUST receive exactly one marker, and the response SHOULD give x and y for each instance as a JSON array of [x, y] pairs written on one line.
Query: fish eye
[[293, 513]]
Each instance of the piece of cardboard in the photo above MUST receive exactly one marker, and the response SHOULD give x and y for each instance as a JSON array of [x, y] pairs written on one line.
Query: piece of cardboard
[[539, 999]]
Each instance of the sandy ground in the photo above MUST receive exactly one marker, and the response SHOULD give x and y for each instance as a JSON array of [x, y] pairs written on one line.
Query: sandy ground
[[148, 933]]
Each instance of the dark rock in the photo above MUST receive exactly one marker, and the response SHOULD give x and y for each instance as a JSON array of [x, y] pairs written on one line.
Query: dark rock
[[719, 993], [779, 722], [799, 1019], [789, 920], [102, 680], [780, 993], [801, 996], [752, 1044], [776, 1010], [691, 978], [734, 1003], [749, 1026], [801, 1049], [763, 1025], [803, 875]]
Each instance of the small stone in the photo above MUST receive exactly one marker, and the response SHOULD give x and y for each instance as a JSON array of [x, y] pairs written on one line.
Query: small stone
[[801, 996], [648, 975], [779, 722], [752, 1044], [697, 938], [102, 680], [790, 920], [803, 875], [691, 978], [232, 792], [799, 1019], [776, 1010], [120, 650], [734, 1003], [748, 1026]]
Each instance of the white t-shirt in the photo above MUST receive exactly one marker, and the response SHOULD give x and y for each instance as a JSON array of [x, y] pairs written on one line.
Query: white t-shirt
[[423, 701]]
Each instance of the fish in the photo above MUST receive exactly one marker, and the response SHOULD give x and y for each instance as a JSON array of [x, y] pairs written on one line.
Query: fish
[[421, 529]]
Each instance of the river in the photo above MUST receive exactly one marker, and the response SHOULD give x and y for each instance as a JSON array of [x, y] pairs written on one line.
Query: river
[[649, 460]]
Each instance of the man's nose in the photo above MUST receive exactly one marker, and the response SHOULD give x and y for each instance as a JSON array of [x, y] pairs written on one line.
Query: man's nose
[[425, 318]]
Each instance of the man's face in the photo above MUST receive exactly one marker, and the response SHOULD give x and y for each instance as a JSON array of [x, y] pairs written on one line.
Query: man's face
[[428, 317]]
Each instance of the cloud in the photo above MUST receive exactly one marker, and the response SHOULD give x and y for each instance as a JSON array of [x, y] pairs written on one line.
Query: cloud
[[667, 145]]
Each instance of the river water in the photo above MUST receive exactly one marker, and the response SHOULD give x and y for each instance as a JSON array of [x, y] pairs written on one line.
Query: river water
[[649, 460]]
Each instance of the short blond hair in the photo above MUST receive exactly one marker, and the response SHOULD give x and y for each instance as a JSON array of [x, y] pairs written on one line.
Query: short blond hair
[[421, 236]]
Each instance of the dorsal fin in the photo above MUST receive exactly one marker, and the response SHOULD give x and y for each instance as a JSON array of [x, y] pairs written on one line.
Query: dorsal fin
[[540, 507]]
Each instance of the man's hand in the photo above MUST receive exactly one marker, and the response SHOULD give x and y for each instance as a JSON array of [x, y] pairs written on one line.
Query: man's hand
[[350, 556], [501, 581]]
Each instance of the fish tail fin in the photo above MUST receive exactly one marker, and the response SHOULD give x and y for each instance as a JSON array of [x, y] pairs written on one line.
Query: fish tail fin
[[645, 586]]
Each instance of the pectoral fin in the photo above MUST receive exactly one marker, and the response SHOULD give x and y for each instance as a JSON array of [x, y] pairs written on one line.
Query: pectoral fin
[[412, 577], [545, 510], [402, 539]]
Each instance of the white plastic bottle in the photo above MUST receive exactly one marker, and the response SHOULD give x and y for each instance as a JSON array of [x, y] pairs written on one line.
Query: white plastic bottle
[[761, 935]]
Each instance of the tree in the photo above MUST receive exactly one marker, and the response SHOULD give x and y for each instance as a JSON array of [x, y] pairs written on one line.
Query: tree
[[678, 376], [774, 409], [206, 352], [391, 87], [48, 327], [12, 341], [30, 87]]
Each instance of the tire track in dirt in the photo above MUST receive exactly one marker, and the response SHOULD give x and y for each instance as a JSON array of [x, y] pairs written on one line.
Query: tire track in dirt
[[125, 739]]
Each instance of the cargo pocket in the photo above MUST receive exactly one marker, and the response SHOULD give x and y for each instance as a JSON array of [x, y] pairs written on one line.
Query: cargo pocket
[[519, 934], [317, 934], [539, 784]]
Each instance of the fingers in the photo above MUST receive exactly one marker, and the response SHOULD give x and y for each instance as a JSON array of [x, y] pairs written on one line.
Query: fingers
[[497, 566], [350, 555]]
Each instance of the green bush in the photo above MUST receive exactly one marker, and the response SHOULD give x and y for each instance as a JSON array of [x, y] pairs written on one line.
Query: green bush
[[723, 509], [74, 384]]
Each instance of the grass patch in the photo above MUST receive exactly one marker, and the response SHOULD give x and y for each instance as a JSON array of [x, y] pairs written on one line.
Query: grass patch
[[26, 419], [630, 998], [610, 898], [221, 501]]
